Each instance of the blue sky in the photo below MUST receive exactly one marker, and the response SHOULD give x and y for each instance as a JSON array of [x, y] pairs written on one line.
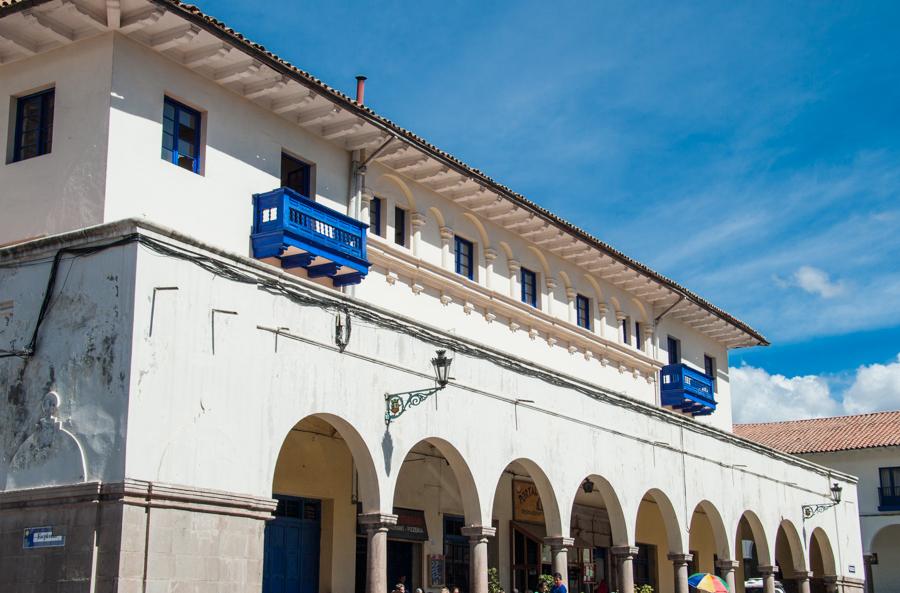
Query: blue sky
[[750, 151]]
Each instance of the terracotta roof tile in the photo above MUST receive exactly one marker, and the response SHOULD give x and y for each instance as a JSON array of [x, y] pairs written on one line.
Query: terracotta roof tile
[[192, 12], [819, 435]]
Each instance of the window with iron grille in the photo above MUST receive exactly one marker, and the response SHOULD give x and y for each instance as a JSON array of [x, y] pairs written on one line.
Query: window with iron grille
[[34, 125], [889, 492], [375, 209]]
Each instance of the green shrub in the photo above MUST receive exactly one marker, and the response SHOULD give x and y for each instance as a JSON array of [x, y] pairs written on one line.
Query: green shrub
[[494, 581]]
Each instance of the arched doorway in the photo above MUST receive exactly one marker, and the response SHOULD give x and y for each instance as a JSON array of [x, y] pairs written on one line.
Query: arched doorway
[[752, 552], [707, 540], [529, 526], [323, 478], [598, 528], [821, 563], [886, 546], [437, 504], [790, 561], [659, 543]]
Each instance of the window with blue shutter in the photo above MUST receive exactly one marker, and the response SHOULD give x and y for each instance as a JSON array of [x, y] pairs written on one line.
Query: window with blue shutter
[[464, 258], [583, 311], [181, 135], [529, 287]]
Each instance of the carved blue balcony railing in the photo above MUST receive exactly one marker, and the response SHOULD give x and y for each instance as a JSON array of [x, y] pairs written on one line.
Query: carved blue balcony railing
[[305, 234], [687, 390]]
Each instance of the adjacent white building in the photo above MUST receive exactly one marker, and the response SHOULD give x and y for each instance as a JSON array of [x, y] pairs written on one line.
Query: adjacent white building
[[224, 293], [867, 446]]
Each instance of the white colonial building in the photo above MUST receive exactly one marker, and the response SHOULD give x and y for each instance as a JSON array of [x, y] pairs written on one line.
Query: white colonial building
[[867, 446], [216, 267]]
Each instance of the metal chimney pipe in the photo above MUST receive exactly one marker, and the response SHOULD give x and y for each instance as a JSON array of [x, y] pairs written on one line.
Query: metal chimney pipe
[[361, 89]]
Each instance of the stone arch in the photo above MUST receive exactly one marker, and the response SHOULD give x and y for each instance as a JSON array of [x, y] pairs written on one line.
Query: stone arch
[[567, 281], [438, 216], [616, 304], [549, 500], [465, 480], [717, 525], [760, 538], [598, 291], [542, 259], [818, 540], [787, 537], [369, 488], [507, 250], [618, 525], [482, 232], [645, 317], [404, 189], [674, 540]]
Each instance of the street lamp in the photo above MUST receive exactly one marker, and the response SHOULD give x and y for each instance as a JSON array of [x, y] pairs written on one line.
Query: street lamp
[[810, 510], [587, 486], [397, 403]]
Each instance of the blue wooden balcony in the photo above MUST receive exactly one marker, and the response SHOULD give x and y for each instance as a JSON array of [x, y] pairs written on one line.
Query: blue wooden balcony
[[305, 234], [687, 390]]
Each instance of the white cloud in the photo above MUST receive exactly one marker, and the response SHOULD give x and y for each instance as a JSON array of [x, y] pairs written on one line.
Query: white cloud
[[758, 396], [815, 281], [876, 387]]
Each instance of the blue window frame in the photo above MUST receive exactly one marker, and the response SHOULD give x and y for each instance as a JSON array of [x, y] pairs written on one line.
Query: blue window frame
[[639, 336], [889, 489], [626, 332], [529, 287], [464, 258], [375, 210], [583, 311], [34, 125], [673, 346], [181, 135]]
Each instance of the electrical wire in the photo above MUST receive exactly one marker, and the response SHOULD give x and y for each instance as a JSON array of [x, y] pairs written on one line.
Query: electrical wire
[[369, 315]]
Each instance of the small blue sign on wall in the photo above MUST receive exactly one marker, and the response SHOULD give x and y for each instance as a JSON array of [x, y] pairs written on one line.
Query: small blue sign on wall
[[42, 537]]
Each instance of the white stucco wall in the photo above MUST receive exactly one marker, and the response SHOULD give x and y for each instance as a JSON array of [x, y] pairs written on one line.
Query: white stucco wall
[[63, 190], [218, 420]]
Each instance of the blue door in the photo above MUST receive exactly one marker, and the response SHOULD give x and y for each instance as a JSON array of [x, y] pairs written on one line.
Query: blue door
[[291, 561]]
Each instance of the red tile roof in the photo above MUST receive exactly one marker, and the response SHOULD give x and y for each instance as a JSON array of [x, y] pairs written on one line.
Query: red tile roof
[[819, 435]]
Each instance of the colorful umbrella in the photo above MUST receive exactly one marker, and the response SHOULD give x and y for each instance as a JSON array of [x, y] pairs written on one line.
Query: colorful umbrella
[[707, 582]]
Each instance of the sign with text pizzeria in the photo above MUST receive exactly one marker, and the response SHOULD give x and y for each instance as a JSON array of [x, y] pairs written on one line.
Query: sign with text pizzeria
[[527, 505]]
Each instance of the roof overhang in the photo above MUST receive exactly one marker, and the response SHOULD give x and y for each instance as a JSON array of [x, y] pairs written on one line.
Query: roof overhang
[[203, 44]]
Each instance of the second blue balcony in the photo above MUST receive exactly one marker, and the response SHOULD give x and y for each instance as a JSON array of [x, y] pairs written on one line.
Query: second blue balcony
[[305, 234], [687, 390]]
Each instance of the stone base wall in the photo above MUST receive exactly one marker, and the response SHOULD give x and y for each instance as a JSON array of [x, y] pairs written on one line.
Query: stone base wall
[[133, 537]]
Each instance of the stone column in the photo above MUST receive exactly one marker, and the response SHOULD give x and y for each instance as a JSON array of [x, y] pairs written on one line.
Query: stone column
[[489, 256], [570, 302], [559, 552], [446, 237], [624, 556], [366, 202], [478, 556], [868, 561], [727, 567], [802, 579], [416, 222], [601, 318], [376, 526], [680, 561], [551, 286], [768, 577], [620, 317], [514, 267], [831, 584]]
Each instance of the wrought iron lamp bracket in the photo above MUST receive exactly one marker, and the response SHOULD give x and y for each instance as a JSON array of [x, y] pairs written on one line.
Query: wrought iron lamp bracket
[[395, 404], [811, 510]]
